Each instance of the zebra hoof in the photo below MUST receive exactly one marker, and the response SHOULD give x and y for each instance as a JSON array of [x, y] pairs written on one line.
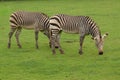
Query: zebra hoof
[[54, 52], [19, 46], [80, 52], [61, 51], [56, 46], [37, 47], [9, 45]]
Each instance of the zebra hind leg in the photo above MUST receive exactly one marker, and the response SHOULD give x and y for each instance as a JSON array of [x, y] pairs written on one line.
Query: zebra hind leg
[[10, 36], [17, 36]]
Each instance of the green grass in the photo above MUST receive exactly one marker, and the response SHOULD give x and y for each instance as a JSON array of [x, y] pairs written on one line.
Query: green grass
[[29, 63]]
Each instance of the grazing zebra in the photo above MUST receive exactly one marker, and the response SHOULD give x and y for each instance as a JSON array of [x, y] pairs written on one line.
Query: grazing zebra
[[28, 20], [82, 25]]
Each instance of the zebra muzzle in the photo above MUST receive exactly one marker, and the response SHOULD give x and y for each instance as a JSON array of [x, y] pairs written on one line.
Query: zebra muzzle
[[100, 53]]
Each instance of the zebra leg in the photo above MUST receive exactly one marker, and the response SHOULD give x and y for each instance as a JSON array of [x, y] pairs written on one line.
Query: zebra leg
[[81, 43], [36, 39], [53, 44], [17, 36], [10, 36], [58, 44], [49, 44]]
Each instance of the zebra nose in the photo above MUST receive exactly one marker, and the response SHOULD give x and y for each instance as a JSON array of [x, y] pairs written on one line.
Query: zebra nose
[[56, 46], [100, 53]]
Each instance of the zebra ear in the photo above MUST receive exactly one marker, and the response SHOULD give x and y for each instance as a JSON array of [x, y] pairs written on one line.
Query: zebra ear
[[93, 38], [106, 34]]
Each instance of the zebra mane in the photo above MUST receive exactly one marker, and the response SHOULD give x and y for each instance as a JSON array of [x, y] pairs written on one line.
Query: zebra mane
[[45, 14], [97, 30]]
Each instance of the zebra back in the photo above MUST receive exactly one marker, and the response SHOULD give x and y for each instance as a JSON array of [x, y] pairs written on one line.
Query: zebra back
[[75, 24], [29, 20]]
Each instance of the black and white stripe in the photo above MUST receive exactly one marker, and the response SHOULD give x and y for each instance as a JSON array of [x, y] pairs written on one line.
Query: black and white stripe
[[82, 25], [75, 24], [28, 20]]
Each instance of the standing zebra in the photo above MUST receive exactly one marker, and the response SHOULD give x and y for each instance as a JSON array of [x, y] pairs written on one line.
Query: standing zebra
[[28, 20], [82, 25]]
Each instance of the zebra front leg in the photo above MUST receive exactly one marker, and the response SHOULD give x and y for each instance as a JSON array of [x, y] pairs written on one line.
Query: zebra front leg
[[17, 36], [36, 39], [50, 44], [81, 43], [10, 36]]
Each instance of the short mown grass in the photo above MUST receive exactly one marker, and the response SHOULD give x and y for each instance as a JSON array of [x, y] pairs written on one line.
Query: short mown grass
[[30, 63]]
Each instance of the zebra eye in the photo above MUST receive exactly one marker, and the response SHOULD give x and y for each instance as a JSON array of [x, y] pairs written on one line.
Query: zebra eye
[[106, 34]]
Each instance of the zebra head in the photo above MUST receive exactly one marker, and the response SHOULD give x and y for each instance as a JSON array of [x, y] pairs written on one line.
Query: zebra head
[[46, 32], [99, 40]]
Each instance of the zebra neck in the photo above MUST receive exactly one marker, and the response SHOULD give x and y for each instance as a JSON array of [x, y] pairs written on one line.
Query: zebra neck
[[95, 33]]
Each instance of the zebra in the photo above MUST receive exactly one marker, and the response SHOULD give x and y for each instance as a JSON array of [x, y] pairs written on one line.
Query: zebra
[[82, 25], [36, 21]]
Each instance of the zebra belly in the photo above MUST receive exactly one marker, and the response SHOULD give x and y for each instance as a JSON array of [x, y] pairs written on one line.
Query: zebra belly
[[29, 27], [73, 32], [67, 29]]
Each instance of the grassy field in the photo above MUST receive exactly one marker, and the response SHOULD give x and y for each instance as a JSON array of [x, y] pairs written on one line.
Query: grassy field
[[29, 63]]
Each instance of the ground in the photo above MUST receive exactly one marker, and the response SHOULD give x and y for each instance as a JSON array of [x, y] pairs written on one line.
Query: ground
[[30, 63]]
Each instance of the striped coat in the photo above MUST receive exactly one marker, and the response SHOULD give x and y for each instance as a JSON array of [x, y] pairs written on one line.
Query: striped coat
[[28, 20], [82, 25]]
